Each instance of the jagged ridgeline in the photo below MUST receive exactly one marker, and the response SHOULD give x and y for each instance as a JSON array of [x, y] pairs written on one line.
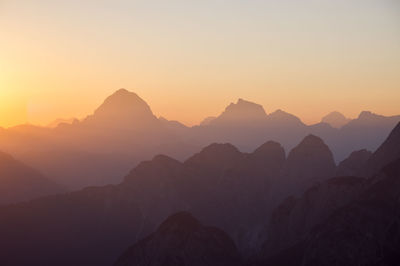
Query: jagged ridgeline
[[123, 131], [250, 208]]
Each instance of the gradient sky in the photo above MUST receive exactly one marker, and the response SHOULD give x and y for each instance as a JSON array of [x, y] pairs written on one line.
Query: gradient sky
[[189, 59]]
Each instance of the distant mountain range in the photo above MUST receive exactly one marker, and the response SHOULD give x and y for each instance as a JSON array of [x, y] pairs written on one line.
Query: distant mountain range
[[123, 131], [247, 195]]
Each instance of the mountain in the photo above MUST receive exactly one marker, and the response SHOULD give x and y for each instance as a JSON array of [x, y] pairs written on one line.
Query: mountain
[[182, 240], [363, 232], [101, 148], [309, 162], [344, 220], [293, 219], [386, 153], [19, 182], [123, 108], [241, 112], [335, 119], [367, 131], [123, 131], [221, 185], [281, 118], [353, 164]]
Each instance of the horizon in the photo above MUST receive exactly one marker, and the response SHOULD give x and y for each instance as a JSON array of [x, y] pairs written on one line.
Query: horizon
[[189, 60], [70, 119]]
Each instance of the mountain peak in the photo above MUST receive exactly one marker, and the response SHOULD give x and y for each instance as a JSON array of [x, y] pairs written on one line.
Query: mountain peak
[[368, 115], [122, 91], [219, 148], [241, 111], [242, 104], [122, 98], [335, 119], [282, 118], [270, 147], [311, 140], [310, 160], [215, 157], [123, 107]]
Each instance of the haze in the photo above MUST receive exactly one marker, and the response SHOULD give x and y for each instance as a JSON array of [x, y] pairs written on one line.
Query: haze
[[60, 59]]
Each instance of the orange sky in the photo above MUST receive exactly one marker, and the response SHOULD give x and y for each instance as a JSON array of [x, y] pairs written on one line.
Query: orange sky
[[189, 60]]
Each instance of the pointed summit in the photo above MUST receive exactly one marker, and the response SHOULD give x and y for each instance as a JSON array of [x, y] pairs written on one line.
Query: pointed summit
[[123, 108], [125, 103], [335, 119]]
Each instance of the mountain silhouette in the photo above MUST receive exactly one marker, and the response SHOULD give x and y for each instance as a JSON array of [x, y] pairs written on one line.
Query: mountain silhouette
[[281, 118], [309, 162], [240, 112], [182, 240], [344, 220], [123, 108], [123, 131], [221, 185], [236, 191], [335, 119], [363, 232], [19, 182]]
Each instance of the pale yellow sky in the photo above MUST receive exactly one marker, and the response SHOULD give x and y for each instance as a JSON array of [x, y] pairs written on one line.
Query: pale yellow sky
[[188, 60]]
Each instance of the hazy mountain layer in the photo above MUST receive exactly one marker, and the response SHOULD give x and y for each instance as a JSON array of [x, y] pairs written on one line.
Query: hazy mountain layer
[[123, 131]]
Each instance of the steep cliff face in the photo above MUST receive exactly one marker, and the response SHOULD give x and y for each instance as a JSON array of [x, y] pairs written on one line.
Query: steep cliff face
[[182, 240]]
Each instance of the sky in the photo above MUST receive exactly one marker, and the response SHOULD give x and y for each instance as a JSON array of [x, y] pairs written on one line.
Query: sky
[[190, 59]]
